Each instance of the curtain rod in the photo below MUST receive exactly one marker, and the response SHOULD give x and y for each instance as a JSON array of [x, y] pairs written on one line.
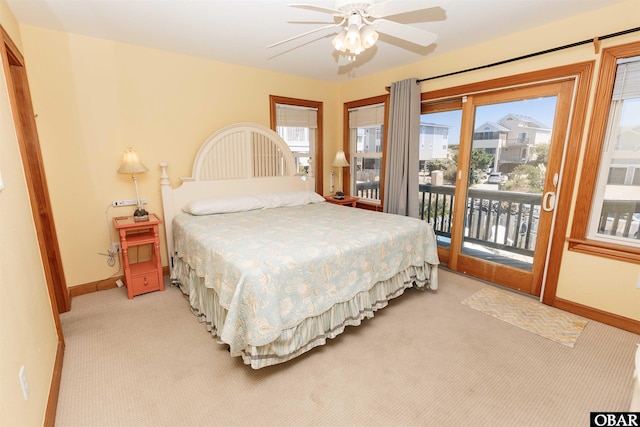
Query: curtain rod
[[595, 40]]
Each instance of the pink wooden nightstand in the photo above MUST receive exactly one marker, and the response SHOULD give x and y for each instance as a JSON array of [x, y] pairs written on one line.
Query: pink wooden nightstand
[[142, 276]]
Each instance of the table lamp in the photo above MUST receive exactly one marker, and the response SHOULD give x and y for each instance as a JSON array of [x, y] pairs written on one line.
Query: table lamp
[[340, 161], [131, 164]]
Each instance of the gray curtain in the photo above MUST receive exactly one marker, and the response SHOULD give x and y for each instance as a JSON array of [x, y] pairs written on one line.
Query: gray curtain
[[401, 172]]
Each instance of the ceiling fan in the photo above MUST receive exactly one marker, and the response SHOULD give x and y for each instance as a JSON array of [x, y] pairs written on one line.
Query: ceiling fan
[[361, 21]]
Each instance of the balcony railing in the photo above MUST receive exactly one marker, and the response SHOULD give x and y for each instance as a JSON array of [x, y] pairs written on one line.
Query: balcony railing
[[368, 190], [496, 219], [517, 141], [620, 218], [508, 221], [504, 220]]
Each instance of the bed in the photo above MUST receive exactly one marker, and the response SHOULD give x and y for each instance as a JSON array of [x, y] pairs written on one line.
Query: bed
[[271, 267]]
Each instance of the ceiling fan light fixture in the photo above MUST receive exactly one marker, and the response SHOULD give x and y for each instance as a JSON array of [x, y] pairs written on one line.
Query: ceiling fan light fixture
[[361, 21], [368, 36], [352, 39], [356, 48], [338, 41]]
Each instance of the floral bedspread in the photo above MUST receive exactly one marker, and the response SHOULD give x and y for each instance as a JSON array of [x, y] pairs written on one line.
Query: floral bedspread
[[272, 268]]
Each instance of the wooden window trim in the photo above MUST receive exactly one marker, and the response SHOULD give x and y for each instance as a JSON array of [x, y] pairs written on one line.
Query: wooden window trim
[[605, 250], [591, 163]]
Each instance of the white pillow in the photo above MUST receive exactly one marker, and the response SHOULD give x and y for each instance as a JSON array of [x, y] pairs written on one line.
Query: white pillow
[[290, 198], [223, 205]]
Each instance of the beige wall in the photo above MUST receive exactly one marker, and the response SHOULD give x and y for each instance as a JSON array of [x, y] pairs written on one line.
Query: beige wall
[[95, 97], [9, 23], [27, 330], [601, 283]]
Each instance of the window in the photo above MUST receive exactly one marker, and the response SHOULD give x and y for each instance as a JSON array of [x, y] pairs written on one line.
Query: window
[[615, 212], [366, 130], [522, 138], [297, 126], [299, 123], [611, 194]]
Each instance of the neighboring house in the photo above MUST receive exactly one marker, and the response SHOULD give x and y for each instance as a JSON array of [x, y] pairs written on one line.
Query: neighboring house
[[511, 139], [625, 171], [492, 137], [434, 141], [524, 134]]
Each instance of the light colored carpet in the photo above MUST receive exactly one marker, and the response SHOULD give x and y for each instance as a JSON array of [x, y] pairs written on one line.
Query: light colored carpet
[[425, 360], [528, 314]]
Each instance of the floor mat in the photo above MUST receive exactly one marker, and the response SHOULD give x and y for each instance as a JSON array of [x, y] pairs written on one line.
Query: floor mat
[[528, 314]]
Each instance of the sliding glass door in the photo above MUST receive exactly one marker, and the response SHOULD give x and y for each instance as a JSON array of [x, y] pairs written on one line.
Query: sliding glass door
[[491, 194]]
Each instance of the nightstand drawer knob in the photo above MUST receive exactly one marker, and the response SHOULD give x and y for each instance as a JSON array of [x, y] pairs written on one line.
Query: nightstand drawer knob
[[146, 282]]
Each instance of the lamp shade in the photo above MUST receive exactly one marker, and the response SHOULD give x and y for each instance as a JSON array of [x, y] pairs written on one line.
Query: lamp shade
[[340, 160], [130, 163]]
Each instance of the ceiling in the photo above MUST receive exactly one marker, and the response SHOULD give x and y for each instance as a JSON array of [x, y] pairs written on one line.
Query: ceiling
[[239, 31]]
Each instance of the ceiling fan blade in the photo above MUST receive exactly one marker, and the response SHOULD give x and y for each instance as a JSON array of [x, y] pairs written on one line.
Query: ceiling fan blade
[[306, 34], [405, 32], [396, 7], [317, 8]]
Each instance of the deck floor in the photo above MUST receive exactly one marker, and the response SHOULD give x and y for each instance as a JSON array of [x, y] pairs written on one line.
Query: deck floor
[[492, 257]]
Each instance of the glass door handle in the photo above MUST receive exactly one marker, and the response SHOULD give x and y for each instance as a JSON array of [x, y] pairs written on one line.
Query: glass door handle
[[549, 201]]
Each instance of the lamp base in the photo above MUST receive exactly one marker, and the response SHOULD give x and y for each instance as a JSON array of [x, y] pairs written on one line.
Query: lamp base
[[339, 195], [140, 215]]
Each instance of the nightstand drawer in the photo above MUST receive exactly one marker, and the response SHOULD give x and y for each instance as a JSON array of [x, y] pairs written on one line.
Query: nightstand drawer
[[145, 283]]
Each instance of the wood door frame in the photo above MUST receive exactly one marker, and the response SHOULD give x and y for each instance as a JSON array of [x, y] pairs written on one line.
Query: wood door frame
[[582, 74], [527, 281], [29, 146]]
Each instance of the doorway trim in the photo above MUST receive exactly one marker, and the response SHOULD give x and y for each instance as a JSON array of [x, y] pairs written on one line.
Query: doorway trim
[[29, 146], [581, 73]]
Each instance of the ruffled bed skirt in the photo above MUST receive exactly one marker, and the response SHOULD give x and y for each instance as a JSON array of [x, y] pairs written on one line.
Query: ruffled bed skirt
[[311, 332]]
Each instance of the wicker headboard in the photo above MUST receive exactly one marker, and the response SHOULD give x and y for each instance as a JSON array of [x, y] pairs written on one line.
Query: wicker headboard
[[243, 150], [243, 158]]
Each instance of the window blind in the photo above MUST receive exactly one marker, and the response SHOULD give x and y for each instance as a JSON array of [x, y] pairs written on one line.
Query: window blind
[[366, 116], [627, 85], [292, 116]]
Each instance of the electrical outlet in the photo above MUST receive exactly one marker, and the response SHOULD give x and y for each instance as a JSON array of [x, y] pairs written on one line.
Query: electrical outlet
[[23, 382], [120, 283], [127, 202], [115, 247]]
